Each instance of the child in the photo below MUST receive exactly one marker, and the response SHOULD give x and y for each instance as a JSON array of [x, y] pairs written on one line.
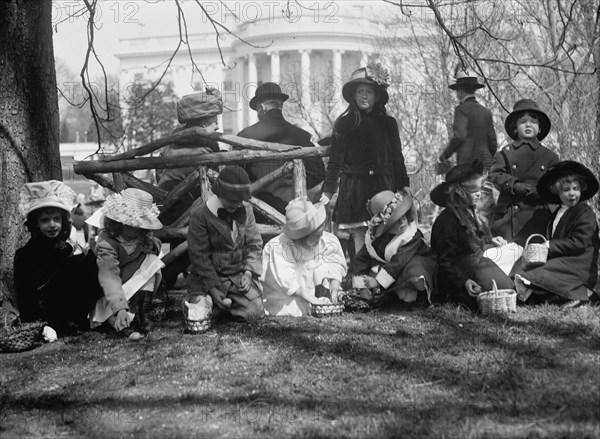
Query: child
[[459, 237], [571, 269], [516, 170], [128, 262], [395, 257], [47, 276], [225, 250], [366, 151], [304, 265]]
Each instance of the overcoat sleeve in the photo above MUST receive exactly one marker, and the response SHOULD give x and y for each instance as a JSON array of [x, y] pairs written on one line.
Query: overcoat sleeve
[[253, 244], [500, 175], [109, 275], [203, 275], [579, 238], [400, 175], [492, 141], [337, 154]]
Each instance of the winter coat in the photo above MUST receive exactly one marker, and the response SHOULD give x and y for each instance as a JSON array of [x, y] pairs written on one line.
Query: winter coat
[[116, 266], [515, 217], [366, 159], [274, 128], [572, 265], [213, 254], [473, 134]]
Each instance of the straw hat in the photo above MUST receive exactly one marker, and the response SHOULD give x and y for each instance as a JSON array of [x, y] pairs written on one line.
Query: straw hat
[[529, 106], [386, 210], [465, 79], [50, 193], [303, 217], [458, 174], [132, 207], [233, 184], [199, 105], [563, 169], [267, 92], [373, 74]]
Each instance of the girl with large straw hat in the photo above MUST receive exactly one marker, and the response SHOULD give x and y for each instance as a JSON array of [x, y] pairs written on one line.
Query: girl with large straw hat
[[304, 265], [366, 153], [129, 264]]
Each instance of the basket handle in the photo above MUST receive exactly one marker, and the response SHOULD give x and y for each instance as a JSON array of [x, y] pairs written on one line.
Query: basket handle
[[535, 235], [10, 311], [494, 285]]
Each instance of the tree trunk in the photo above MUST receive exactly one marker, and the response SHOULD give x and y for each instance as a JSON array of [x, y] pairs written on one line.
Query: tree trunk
[[29, 126]]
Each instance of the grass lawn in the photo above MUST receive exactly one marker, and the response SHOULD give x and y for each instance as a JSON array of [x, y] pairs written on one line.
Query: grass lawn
[[440, 372]]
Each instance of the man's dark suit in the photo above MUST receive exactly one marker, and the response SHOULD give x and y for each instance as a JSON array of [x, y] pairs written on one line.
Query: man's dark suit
[[274, 128], [473, 134]]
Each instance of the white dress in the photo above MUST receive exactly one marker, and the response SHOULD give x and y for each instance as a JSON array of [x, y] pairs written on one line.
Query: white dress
[[289, 268]]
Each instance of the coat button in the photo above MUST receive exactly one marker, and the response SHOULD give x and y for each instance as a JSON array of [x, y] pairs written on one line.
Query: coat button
[[506, 148], [543, 168], [516, 206], [371, 172], [514, 166]]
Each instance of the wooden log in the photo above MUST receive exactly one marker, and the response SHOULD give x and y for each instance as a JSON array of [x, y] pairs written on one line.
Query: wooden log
[[170, 233], [265, 181], [183, 161], [118, 181], [180, 190], [268, 211], [299, 179], [175, 253], [269, 230], [102, 181], [184, 219], [132, 181]]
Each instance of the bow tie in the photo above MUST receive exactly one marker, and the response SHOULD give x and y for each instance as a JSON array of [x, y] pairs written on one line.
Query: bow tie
[[239, 215]]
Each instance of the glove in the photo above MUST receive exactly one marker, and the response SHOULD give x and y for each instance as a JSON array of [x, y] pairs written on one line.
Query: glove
[[522, 189]]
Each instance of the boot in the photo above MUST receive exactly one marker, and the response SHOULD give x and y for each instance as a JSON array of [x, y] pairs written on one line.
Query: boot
[[145, 306]]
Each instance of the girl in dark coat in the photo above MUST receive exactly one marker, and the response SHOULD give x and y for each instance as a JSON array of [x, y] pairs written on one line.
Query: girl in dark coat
[[366, 154], [48, 278], [459, 238], [571, 269]]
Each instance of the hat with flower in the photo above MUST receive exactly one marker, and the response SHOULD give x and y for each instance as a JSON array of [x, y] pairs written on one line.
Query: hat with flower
[[50, 193], [198, 105], [132, 207], [387, 209], [373, 74], [303, 217]]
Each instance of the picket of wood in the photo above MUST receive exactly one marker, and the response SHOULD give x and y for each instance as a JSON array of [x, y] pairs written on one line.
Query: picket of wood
[[120, 166]]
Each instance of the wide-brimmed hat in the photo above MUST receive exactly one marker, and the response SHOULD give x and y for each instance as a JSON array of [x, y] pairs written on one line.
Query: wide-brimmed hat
[[563, 169], [529, 106], [232, 184], [132, 207], [267, 92], [373, 74], [458, 174], [50, 193], [465, 79], [198, 105], [303, 217], [387, 210]]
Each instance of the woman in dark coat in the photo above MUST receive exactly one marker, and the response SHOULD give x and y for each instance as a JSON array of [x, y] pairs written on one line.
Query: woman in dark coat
[[366, 154], [571, 269], [459, 238]]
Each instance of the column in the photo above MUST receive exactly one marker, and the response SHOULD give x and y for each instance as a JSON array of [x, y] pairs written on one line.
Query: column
[[275, 70], [251, 88], [241, 105], [305, 77], [337, 99], [364, 58]]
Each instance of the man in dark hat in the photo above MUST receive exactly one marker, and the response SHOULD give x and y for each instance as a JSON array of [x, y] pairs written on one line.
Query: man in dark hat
[[272, 127], [473, 134]]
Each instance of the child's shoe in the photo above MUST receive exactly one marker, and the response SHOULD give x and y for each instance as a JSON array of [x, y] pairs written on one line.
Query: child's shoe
[[145, 306]]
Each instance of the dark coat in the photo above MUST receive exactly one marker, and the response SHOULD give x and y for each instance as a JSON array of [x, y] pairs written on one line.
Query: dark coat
[[473, 134], [369, 159], [213, 254], [53, 285], [274, 128], [515, 218], [572, 265], [459, 247]]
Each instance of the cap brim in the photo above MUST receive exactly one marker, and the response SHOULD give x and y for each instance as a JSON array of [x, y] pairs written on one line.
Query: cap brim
[[96, 219], [47, 203]]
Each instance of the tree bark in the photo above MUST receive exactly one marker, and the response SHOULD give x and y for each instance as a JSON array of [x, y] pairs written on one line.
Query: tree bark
[[29, 125]]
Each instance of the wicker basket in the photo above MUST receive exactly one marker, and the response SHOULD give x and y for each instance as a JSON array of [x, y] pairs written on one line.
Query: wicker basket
[[497, 301], [197, 326], [535, 254], [333, 309], [22, 337]]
